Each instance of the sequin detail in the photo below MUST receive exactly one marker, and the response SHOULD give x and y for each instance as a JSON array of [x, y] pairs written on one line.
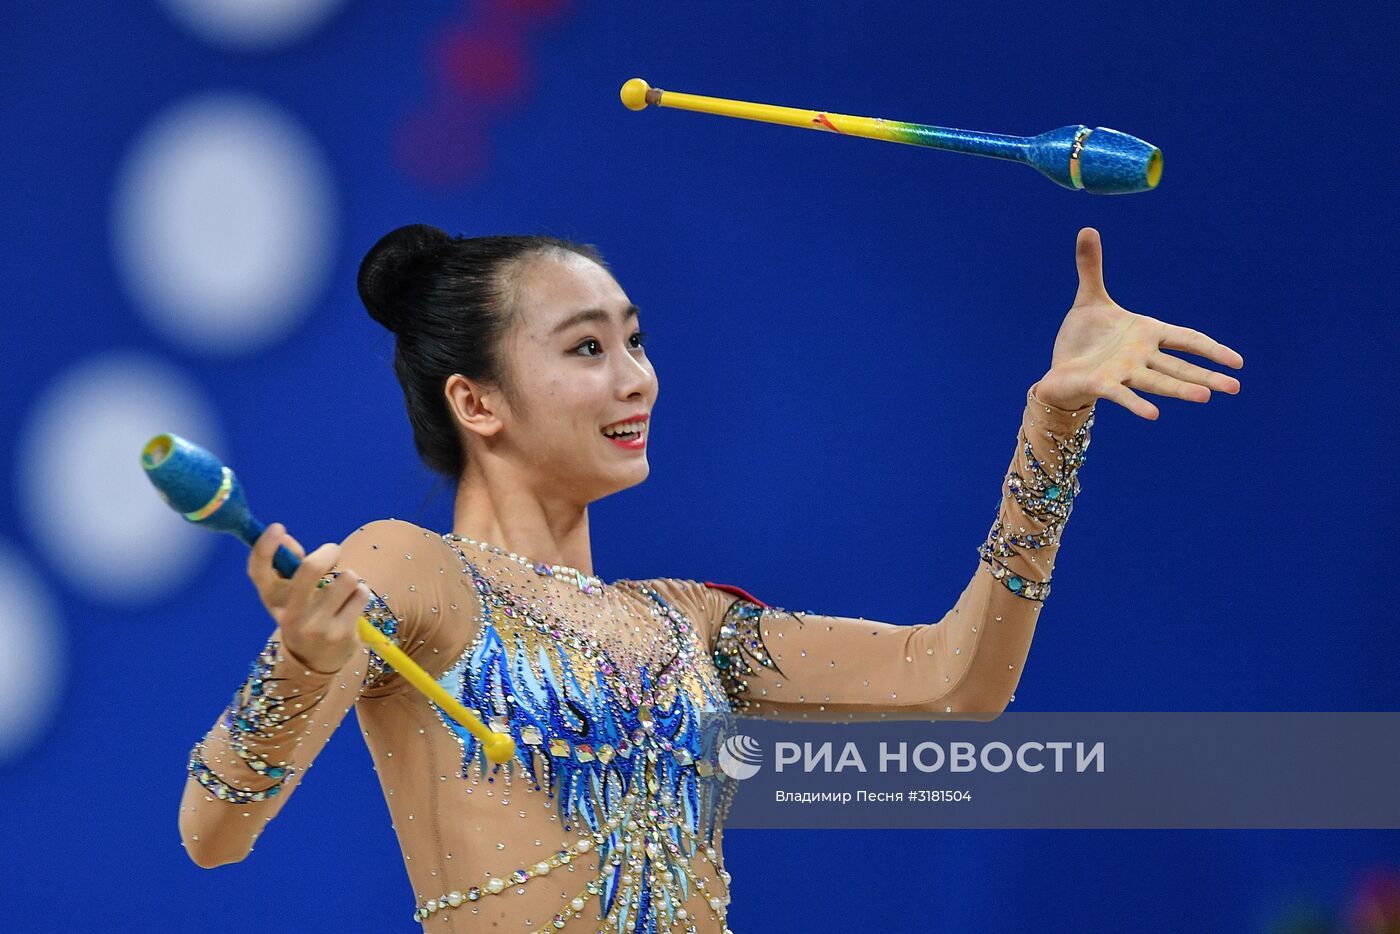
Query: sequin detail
[[383, 619], [570, 674], [587, 583], [256, 714], [225, 791], [1046, 497], [739, 647], [621, 736]]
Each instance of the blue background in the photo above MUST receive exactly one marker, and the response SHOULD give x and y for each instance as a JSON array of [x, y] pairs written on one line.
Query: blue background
[[844, 333]]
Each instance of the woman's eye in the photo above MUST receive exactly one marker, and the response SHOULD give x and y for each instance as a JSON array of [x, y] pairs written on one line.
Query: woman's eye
[[639, 340]]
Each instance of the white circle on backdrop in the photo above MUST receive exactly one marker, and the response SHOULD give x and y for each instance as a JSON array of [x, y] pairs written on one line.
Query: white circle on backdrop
[[252, 24], [91, 510], [34, 663], [224, 223]]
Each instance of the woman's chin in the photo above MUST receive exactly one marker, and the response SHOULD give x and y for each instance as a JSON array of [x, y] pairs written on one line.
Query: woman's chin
[[634, 474], [617, 480]]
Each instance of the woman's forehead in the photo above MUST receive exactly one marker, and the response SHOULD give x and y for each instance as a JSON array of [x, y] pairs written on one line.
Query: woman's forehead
[[553, 290]]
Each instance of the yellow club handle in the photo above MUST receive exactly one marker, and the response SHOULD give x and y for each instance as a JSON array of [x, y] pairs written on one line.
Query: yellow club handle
[[636, 94], [499, 747]]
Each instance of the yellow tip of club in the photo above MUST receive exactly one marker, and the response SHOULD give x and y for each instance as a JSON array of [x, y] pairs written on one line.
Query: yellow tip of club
[[634, 94], [1154, 168], [157, 450], [500, 748]]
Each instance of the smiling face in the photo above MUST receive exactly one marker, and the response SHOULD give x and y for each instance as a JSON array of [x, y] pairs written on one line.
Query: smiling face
[[575, 364]]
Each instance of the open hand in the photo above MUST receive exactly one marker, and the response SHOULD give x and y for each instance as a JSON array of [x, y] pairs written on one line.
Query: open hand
[[1104, 351]]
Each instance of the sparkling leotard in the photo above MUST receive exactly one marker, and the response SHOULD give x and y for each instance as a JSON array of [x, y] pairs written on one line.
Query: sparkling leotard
[[610, 815]]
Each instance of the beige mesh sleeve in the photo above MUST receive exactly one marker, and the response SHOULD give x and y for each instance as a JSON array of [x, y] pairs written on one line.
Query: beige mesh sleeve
[[243, 770], [795, 665]]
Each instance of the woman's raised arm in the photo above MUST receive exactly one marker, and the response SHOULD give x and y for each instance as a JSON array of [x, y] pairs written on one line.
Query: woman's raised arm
[[786, 664], [967, 665]]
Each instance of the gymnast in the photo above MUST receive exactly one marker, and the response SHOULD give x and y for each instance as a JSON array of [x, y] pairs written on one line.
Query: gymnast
[[527, 384]]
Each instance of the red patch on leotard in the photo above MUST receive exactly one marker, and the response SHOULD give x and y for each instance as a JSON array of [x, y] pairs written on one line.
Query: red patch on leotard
[[737, 591]]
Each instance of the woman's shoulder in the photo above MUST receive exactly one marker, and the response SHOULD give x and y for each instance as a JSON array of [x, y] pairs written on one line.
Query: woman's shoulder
[[691, 586], [704, 602], [391, 529], [391, 524], [382, 540]]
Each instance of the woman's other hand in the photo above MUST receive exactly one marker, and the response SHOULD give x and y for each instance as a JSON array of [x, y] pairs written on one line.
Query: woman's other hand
[[317, 614], [1104, 351]]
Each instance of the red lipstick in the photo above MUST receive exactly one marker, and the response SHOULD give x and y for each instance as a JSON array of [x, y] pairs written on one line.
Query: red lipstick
[[636, 441]]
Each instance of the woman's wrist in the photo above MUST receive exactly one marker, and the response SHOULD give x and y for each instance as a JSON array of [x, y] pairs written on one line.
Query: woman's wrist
[[309, 671], [1047, 391]]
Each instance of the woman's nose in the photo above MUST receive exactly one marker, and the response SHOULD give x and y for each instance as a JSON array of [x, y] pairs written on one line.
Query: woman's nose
[[637, 380]]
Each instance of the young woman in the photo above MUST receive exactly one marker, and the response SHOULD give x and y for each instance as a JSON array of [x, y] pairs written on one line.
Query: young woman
[[527, 383]]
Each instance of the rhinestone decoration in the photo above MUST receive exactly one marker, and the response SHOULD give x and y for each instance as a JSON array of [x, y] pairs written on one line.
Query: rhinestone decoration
[[1045, 493], [587, 583], [618, 696]]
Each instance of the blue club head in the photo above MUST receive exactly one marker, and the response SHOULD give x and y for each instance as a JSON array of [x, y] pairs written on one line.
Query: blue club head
[[1100, 161], [198, 486]]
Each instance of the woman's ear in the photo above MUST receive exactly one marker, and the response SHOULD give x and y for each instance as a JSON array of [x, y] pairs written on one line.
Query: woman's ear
[[472, 405]]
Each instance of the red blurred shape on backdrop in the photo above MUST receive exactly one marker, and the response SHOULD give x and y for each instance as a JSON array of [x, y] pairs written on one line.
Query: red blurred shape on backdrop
[[489, 64], [480, 71], [1375, 905]]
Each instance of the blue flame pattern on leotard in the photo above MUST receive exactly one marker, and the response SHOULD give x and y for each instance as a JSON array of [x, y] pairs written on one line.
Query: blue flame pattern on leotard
[[627, 754]]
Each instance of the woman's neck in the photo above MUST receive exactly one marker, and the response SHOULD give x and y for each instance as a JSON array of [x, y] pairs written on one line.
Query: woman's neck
[[520, 521]]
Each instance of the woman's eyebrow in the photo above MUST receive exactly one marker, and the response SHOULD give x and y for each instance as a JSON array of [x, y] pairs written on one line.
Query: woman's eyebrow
[[592, 314]]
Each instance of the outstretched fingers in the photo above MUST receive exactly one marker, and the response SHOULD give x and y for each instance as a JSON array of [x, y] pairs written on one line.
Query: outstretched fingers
[[1189, 372], [1154, 380], [1161, 384], [1121, 394], [1202, 345], [1130, 401]]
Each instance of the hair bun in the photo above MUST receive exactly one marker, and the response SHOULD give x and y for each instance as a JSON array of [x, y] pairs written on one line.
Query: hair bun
[[389, 267]]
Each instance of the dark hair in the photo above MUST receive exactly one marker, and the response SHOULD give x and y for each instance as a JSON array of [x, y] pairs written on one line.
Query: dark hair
[[449, 301]]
